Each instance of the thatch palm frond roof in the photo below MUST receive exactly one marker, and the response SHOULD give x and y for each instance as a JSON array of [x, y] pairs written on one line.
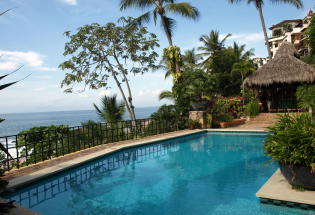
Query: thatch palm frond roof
[[286, 48], [283, 68]]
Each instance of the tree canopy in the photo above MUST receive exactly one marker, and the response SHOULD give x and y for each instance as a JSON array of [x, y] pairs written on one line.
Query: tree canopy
[[100, 52]]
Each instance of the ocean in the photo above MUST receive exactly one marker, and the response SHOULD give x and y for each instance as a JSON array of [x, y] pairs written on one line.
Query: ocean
[[16, 122]]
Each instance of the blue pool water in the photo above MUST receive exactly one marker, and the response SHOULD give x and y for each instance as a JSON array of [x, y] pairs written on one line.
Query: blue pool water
[[202, 174]]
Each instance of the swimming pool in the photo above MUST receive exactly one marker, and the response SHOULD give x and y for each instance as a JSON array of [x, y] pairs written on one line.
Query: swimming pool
[[201, 174]]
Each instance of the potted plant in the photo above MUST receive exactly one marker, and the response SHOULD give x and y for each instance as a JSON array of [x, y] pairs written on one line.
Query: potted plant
[[291, 142]]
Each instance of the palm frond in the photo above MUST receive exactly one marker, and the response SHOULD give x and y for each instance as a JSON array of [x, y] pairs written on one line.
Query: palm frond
[[3, 76], [224, 39], [184, 9], [144, 18], [111, 110], [2, 13], [166, 95], [169, 24], [296, 3], [124, 4]]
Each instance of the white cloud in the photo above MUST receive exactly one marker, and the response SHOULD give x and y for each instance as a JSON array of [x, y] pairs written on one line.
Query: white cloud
[[105, 93], [8, 65], [247, 38], [149, 92], [70, 2], [83, 95], [10, 60]]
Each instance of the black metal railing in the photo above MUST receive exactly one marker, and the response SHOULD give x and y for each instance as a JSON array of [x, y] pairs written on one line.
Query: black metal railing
[[32, 147]]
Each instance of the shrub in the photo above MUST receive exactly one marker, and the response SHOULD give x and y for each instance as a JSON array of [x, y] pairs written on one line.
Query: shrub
[[292, 140], [171, 114], [252, 109], [225, 118], [194, 124]]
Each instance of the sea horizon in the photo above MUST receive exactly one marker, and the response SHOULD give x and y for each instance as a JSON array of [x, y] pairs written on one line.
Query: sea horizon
[[50, 111], [17, 122]]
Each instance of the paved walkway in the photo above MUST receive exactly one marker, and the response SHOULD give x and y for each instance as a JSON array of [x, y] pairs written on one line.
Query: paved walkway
[[260, 122]]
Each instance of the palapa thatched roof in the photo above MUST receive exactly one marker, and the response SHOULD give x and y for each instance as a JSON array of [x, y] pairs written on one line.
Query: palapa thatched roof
[[287, 48], [285, 67]]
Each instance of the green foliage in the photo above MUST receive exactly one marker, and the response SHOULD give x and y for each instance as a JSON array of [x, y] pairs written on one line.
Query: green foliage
[[192, 86], [306, 96], [309, 59], [194, 124], [298, 188], [42, 142], [173, 58], [225, 118], [292, 140], [162, 8], [208, 120], [277, 32], [166, 95], [287, 27], [171, 114], [250, 95], [232, 106], [252, 109], [111, 110], [311, 36], [219, 60], [98, 52]]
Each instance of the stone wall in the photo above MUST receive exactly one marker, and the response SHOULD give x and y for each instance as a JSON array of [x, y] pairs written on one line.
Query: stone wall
[[199, 116]]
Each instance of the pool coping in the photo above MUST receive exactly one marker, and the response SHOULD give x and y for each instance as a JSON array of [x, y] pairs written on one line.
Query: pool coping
[[269, 192], [23, 180]]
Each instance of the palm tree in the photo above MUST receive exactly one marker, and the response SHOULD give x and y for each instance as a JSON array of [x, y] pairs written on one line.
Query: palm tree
[[162, 8], [240, 53], [190, 58], [258, 4], [211, 45], [169, 95], [244, 68], [306, 98], [111, 110]]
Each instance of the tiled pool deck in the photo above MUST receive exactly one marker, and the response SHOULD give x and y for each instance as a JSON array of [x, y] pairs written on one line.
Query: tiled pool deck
[[278, 191]]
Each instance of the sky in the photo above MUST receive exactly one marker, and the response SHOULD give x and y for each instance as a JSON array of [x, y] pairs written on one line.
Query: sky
[[32, 36]]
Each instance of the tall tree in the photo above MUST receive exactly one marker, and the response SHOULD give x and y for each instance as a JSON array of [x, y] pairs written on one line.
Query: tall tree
[[111, 110], [190, 58], [162, 8], [259, 4], [98, 53], [211, 46]]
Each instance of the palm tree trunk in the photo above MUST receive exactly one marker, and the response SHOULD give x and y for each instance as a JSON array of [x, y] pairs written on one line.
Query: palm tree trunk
[[169, 38], [264, 30], [168, 35]]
